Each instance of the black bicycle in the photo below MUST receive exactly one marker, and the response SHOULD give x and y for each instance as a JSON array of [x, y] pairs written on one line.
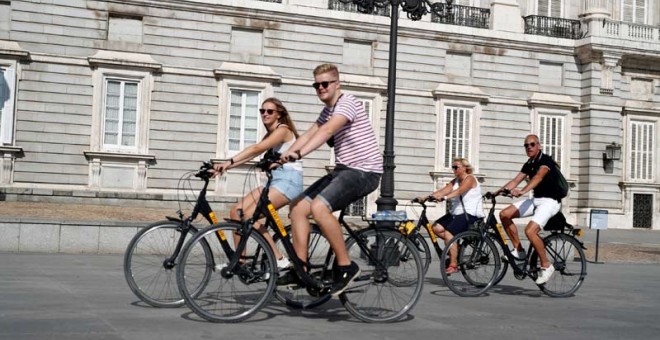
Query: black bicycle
[[151, 256], [153, 253], [244, 272], [479, 257]]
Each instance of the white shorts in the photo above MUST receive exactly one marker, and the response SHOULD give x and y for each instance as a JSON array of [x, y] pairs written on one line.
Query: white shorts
[[541, 209]]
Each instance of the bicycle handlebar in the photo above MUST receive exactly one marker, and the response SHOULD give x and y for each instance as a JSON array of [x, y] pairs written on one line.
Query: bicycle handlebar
[[270, 158], [203, 171]]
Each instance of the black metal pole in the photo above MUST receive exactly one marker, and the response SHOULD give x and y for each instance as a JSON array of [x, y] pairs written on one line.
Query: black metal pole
[[386, 201]]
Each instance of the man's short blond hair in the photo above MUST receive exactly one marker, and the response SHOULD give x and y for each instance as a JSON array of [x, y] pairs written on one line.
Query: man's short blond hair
[[325, 68]]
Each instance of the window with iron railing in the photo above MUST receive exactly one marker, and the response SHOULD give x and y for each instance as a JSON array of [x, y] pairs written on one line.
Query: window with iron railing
[[462, 16], [552, 27], [351, 7]]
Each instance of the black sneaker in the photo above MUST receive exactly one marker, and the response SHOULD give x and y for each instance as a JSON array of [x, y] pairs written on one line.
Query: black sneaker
[[290, 279], [343, 276]]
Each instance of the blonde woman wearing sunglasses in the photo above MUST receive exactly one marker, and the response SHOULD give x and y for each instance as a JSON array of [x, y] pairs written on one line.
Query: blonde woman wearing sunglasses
[[466, 207]]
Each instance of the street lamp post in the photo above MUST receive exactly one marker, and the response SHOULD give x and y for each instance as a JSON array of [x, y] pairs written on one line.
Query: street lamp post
[[415, 9]]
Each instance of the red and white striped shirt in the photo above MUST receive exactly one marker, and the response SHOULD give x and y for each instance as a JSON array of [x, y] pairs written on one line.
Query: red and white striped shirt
[[356, 144]]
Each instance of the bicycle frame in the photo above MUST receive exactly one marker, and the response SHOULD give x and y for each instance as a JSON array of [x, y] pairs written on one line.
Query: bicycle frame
[[424, 223], [202, 206]]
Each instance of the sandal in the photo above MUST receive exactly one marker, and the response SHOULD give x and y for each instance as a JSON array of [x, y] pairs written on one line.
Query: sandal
[[451, 269]]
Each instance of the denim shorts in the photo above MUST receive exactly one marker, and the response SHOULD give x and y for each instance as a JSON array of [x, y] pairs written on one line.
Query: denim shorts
[[288, 181], [343, 186]]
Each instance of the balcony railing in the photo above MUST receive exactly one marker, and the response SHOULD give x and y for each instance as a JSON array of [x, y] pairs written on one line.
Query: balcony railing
[[464, 16], [552, 27], [350, 7], [277, 1], [629, 30]]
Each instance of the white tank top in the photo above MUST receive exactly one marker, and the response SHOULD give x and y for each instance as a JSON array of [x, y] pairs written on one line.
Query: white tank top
[[471, 199], [284, 147]]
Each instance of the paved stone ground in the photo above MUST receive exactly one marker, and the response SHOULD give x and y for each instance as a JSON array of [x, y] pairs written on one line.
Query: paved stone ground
[[647, 251]]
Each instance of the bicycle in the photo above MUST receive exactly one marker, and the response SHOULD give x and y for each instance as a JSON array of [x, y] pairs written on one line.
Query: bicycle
[[152, 254], [477, 249], [244, 272], [414, 232]]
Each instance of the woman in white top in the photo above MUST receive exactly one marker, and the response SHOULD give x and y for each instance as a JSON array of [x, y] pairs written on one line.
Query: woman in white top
[[464, 195], [287, 180]]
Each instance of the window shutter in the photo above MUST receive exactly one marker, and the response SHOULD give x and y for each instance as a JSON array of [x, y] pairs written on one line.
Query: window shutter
[[641, 150], [543, 8], [628, 10], [243, 119], [112, 102], [555, 9], [457, 134], [129, 116], [551, 132], [640, 11], [7, 83]]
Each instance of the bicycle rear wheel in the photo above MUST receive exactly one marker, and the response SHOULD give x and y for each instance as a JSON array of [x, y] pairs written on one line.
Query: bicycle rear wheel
[[148, 275], [318, 260], [478, 264], [227, 296], [387, 291], [566, 255]]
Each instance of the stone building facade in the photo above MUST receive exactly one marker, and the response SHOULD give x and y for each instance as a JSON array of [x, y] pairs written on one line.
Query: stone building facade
[[110, 102]]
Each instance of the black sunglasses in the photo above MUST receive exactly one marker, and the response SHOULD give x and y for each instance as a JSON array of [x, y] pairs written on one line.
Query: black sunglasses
[[532, 144], [270, 111], [325, 84], [454, 167]]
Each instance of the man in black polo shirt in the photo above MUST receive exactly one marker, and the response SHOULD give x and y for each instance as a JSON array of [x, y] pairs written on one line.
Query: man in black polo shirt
[[542, 172]]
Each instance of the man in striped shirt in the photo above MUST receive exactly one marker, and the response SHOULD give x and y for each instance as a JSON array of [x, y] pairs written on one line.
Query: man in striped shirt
[[358, 167]]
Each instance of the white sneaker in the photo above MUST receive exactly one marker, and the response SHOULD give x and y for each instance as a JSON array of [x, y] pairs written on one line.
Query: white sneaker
[[519, 255], [545, 274], [283, 263]]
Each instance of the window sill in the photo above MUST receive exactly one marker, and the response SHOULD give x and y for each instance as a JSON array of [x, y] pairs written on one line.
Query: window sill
[[120, 157], [14, 151]]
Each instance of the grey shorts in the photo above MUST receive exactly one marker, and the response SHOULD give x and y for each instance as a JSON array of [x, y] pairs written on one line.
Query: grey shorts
[[342, 187], [288, 181]]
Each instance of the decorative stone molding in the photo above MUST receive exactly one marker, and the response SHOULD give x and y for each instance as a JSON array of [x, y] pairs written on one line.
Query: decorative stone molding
[[124, 59], [247, 71], [363, 82], [11, 49], [97, 160], [7, 156], [553, 100], [460, 91]]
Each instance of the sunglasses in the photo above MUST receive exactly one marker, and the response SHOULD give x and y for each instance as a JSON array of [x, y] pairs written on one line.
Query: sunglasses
[[323, 84], [269, 111], [532, 144], [454, 167]]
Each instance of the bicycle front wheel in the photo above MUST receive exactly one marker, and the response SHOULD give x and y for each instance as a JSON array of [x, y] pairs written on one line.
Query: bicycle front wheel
[[424, 250], [478, 264], [146, 269], [226, 295], [566, 255], [391, 278], [503, 264], [318, 260]]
